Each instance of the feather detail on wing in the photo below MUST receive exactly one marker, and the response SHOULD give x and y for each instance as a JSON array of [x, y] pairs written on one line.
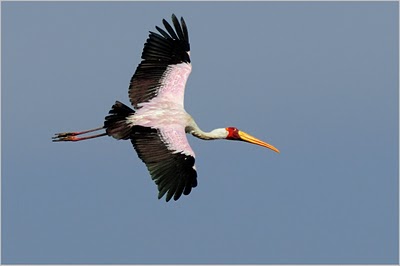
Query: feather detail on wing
[[165, 65], [168, 157]]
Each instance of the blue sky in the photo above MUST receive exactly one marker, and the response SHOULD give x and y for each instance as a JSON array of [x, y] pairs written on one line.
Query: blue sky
[[317, 80]]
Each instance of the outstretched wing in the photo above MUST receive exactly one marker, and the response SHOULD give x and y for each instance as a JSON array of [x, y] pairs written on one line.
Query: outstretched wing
[[165, 65], [168, 157]]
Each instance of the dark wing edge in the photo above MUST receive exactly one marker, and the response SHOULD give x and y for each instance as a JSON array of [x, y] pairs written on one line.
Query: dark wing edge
[[160, 51], [172, 171]]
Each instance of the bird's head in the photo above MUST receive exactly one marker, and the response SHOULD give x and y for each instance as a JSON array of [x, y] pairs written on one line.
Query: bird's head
[[235, 134]]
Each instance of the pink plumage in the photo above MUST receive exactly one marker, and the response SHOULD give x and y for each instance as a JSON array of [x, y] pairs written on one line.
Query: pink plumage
[[158, 124]]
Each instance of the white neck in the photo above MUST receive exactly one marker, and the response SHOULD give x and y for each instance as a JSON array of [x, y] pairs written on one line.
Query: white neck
[[219, 133]]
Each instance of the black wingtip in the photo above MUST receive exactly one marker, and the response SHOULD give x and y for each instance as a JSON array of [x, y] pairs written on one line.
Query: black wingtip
[[180, 32]]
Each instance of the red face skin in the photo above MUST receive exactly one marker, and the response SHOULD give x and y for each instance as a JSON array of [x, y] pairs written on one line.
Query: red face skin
[[233, 133]]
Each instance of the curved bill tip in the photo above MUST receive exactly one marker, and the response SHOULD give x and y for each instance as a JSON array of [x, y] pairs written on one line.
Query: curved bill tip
[[250, 139]]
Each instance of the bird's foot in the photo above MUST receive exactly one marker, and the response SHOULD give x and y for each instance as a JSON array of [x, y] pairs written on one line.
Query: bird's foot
[[65, 136]]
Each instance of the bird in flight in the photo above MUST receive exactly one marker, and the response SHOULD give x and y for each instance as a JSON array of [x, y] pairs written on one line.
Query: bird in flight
[[158, 123]]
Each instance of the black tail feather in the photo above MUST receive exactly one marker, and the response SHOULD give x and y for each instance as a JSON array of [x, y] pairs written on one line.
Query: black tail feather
[[116, 123]]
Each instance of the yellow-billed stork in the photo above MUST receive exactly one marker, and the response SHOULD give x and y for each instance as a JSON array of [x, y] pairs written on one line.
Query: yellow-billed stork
[[158, 124]]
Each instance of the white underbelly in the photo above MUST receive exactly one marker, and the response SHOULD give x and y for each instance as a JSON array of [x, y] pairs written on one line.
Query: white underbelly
[[157, 114]]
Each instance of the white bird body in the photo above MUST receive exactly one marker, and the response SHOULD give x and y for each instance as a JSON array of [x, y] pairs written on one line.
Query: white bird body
[[160, 112], [158, 124]]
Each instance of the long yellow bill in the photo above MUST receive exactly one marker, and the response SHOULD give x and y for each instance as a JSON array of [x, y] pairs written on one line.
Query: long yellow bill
[[246, 137]]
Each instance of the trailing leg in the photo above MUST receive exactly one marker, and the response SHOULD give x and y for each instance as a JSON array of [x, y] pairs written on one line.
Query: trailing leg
[[115, 125], [72, 136]]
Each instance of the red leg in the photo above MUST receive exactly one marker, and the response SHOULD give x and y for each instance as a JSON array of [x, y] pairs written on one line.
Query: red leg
[[71, 136]]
